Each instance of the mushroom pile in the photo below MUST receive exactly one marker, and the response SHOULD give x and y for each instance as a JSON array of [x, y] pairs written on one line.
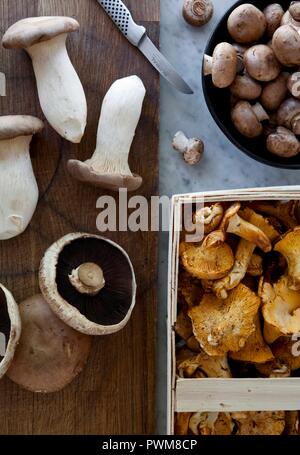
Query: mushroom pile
[[260, 68], [239, 292]]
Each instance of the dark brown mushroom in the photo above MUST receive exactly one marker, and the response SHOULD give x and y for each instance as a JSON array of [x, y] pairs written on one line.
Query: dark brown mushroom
[[286, 45], [245, 87], [198, 12], [247, 119], [283, 143]]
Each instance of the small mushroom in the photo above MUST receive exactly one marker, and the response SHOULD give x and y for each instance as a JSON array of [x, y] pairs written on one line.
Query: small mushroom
[[273, 14], [18, 188], [259, 423], [274, 93], [60, 91], [198, 12], [245, 87], [50, 353], [217, 324], [108, 167], [288, 115], [289, 247], [261, 63], [101, 299], [246, 24], [192, 149], [247, 119], [286, 45], [223, 65], [283, 143], [209, 217], [294, 10], [293, 84], [10, 329]]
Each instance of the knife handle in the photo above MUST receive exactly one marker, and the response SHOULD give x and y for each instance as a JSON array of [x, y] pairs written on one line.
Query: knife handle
[[121, 16]]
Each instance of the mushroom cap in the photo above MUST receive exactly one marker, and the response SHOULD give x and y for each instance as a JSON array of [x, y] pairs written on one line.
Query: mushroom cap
[[33, 30], [83, 172], [210, 367], [208, 262], [288, 114], [286, 45], [101, 314], [262, 423], [10, 329], [197, 12], [294, 10], [245, 120], [261, 63], [246, 24], [289, 247], [274, 93], [218, 325], [224, 65], [209, 216], [260, 222], [283, 142], [288, 19], [50, 353], [273, 14], [12, 126], [245, 87]]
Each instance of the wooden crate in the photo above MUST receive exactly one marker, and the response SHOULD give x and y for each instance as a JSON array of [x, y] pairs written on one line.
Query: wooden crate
[[223, 395]]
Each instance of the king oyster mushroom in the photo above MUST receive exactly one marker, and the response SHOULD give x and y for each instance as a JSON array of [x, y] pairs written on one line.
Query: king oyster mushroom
[[18, 188], [89, 283], [10, 329], [60, 91], [50, 353]]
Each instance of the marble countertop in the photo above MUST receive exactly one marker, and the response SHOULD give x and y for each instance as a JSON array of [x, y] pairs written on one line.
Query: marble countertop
[[223, 166]]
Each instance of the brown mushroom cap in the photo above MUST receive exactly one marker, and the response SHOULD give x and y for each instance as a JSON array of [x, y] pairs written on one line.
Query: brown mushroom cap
[[273, 14], [50, 354], [289, 247], [288, 115], [246, 119], [283, 351], [198, 12], [245, 87], [224, 65], [286, 45], [274, 93], [294, 10], [288, 19], [261, 63], [85, 173], [246, 24], [33, 30], [10, 329], [283, 143], [110, 309], [12, 126], [293, 84]]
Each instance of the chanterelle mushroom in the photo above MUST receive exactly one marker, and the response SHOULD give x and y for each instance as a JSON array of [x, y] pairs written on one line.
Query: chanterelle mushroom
[[108, 167], [50, 353], [209, 216], [210, 367], [192, 149], [223, 65], [247, 119], [60, 91], [283, 211], [18, 188], [289, 247], [198, 12], [89, 282], [10, 329], [283, 351], [259, 423], [217, 324], [246, 24]]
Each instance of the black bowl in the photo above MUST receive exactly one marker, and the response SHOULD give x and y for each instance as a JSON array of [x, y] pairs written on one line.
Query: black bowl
[[218, 101]]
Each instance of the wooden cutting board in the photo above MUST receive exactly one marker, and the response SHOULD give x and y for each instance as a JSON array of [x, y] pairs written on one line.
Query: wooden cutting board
[[116, 392]]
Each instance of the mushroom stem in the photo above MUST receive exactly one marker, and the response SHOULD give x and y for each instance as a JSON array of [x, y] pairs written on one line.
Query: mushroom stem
[[249, 232], [88, 278], [207, 65], [260, 113]]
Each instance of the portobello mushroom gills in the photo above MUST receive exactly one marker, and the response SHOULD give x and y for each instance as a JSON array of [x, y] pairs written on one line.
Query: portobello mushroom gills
[[111, 304], [5, 325]]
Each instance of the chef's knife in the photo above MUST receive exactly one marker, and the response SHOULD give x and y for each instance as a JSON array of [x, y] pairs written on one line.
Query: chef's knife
[[137, 35]]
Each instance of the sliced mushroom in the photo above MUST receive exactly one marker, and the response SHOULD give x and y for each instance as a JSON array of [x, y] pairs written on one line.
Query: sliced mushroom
[[274, 93], [286, 45], [259, 423], [261, 63], [288, 115], [60, 91], [273, 14], [217, 324], [246, 24], [99, 310], [10, 329], [50, 354], [289, 247], [283, 143], [223, 65], [108, 167], [198, 12], [209, 217], [247, 119], [245, 87]]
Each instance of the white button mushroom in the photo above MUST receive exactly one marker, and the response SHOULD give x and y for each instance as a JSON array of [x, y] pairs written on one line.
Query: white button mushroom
[[18, 187], [121, 110], [60, 91]]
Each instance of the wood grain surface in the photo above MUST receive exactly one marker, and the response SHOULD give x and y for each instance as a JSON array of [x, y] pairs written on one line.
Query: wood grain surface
[[116, 392]]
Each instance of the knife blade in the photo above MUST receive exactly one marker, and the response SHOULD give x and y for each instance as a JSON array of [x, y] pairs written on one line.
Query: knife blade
[[137, 36]]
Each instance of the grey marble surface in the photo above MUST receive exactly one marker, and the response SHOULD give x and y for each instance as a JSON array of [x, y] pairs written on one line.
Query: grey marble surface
[[223, 166]]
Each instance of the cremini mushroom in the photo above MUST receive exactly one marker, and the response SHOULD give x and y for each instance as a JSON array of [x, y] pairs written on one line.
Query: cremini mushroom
[[18, 187], [294, 10], [248, 119], [223, 65], [108, 167], [283, 142], [192, 149], [245, 87], [101, 299], [261, 63], [10, 329], [50, 353], [274, 93], [259, 423], [288, 19], [286, 45], [60, 91], [246, 24], [209, 217], [288, 115], [293, 84], [273, 14], [289, 247], [198, 12], [189, 289], [217, 324]]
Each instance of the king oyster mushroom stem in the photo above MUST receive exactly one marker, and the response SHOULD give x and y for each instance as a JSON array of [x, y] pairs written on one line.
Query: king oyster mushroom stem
[[108, 167], [60, 91], [18, 188]]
